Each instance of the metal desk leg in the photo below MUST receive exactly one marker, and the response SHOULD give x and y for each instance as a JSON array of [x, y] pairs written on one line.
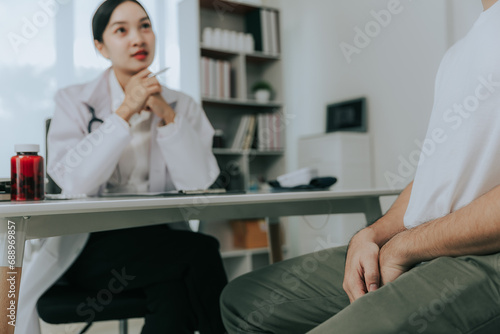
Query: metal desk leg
[[12, 238], [275, 243], [123, 326], [373, 211]]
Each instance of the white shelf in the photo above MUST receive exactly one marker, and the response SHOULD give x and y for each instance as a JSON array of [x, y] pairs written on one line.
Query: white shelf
[[261, 57], [241, 102], [233, 7], [218, 52], [229, 151], [257, 56], [243, 252], [229, 253]]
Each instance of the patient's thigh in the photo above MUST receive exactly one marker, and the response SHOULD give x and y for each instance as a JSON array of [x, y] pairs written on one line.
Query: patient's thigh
[[446, 295], [292, 296]]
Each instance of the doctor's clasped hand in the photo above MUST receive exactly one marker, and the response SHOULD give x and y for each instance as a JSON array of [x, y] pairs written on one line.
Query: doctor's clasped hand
[[143, 93], [157, 104]]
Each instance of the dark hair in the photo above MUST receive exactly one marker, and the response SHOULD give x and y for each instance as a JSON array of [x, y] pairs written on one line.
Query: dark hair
[[103, 14]]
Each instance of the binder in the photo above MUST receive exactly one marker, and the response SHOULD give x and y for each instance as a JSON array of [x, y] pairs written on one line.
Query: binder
[[253, 26], [218, 79], [203, 77], [250, 133], [227, 80], [241, 133], [212, 80], [266, 30], [273, 23]]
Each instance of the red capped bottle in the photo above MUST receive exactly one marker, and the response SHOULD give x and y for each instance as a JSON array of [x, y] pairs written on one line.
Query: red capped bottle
[[27, 174]]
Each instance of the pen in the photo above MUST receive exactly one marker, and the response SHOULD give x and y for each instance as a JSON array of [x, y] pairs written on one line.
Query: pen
[[158, 73]]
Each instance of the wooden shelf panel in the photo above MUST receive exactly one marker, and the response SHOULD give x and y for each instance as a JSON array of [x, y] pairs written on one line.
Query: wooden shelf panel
[[226, 6], [240, 103], [243, 252], [229, 151], [256, 57], [228, 253], [260, 57], [270, 152], [218, 53]]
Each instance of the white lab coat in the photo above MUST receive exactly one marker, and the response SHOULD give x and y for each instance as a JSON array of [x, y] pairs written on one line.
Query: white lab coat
[[81, 163]]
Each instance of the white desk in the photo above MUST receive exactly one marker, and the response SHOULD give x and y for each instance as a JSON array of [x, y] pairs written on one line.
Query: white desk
[[55, 218]]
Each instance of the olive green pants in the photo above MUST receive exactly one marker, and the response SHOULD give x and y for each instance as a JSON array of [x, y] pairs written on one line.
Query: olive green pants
[[305, 294]]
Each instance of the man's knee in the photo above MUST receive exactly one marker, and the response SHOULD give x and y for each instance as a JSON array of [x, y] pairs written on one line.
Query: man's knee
[[235, 303]]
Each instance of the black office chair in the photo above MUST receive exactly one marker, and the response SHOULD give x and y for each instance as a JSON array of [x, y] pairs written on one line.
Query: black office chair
[[51, 187], [65, 304]]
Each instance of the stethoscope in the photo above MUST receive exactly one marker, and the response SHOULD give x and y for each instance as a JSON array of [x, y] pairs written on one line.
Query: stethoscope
[[94, 119]]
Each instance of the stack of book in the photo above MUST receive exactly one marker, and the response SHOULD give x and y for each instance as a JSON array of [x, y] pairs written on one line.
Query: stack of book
[[4, 189], [215, 78], [270, 131], [263, 24], [262, 132], [245, 133]]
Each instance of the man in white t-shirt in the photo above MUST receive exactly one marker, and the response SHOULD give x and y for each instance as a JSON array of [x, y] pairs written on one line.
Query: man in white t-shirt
[[432, 263]]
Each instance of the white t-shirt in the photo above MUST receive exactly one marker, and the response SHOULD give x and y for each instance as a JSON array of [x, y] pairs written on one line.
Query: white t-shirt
[[460, 159]]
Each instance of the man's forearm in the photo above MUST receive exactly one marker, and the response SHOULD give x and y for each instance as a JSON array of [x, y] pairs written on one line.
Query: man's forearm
[[392, 222], [471, 230]]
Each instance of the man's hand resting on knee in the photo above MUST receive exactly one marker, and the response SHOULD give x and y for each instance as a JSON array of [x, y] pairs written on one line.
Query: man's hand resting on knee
[[361, 267], [380, 253], [366, 250]]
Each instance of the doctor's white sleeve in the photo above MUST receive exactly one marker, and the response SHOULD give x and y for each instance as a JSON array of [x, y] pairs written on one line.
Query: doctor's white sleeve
[[77, 161], [186, 146]]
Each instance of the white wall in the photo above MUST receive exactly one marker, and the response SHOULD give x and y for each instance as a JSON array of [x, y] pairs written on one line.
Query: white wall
[[57, 50], [395, 71], [461, 16]]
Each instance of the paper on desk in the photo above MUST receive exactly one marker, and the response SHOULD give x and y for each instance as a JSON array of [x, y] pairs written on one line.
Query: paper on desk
[[166, 193]]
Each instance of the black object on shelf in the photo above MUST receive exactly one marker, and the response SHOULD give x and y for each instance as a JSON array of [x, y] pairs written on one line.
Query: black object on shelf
[[5, 187], [318, 183], [254, 27], [219, 140]]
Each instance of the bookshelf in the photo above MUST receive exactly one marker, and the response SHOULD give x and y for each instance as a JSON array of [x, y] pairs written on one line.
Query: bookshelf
[[227, 98], [255, 160]]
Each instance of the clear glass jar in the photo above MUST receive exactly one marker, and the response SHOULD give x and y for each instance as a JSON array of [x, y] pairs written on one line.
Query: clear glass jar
[[27, 174]]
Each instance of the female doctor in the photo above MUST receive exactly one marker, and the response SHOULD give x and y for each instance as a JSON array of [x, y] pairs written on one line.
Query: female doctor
[[125, 133]]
